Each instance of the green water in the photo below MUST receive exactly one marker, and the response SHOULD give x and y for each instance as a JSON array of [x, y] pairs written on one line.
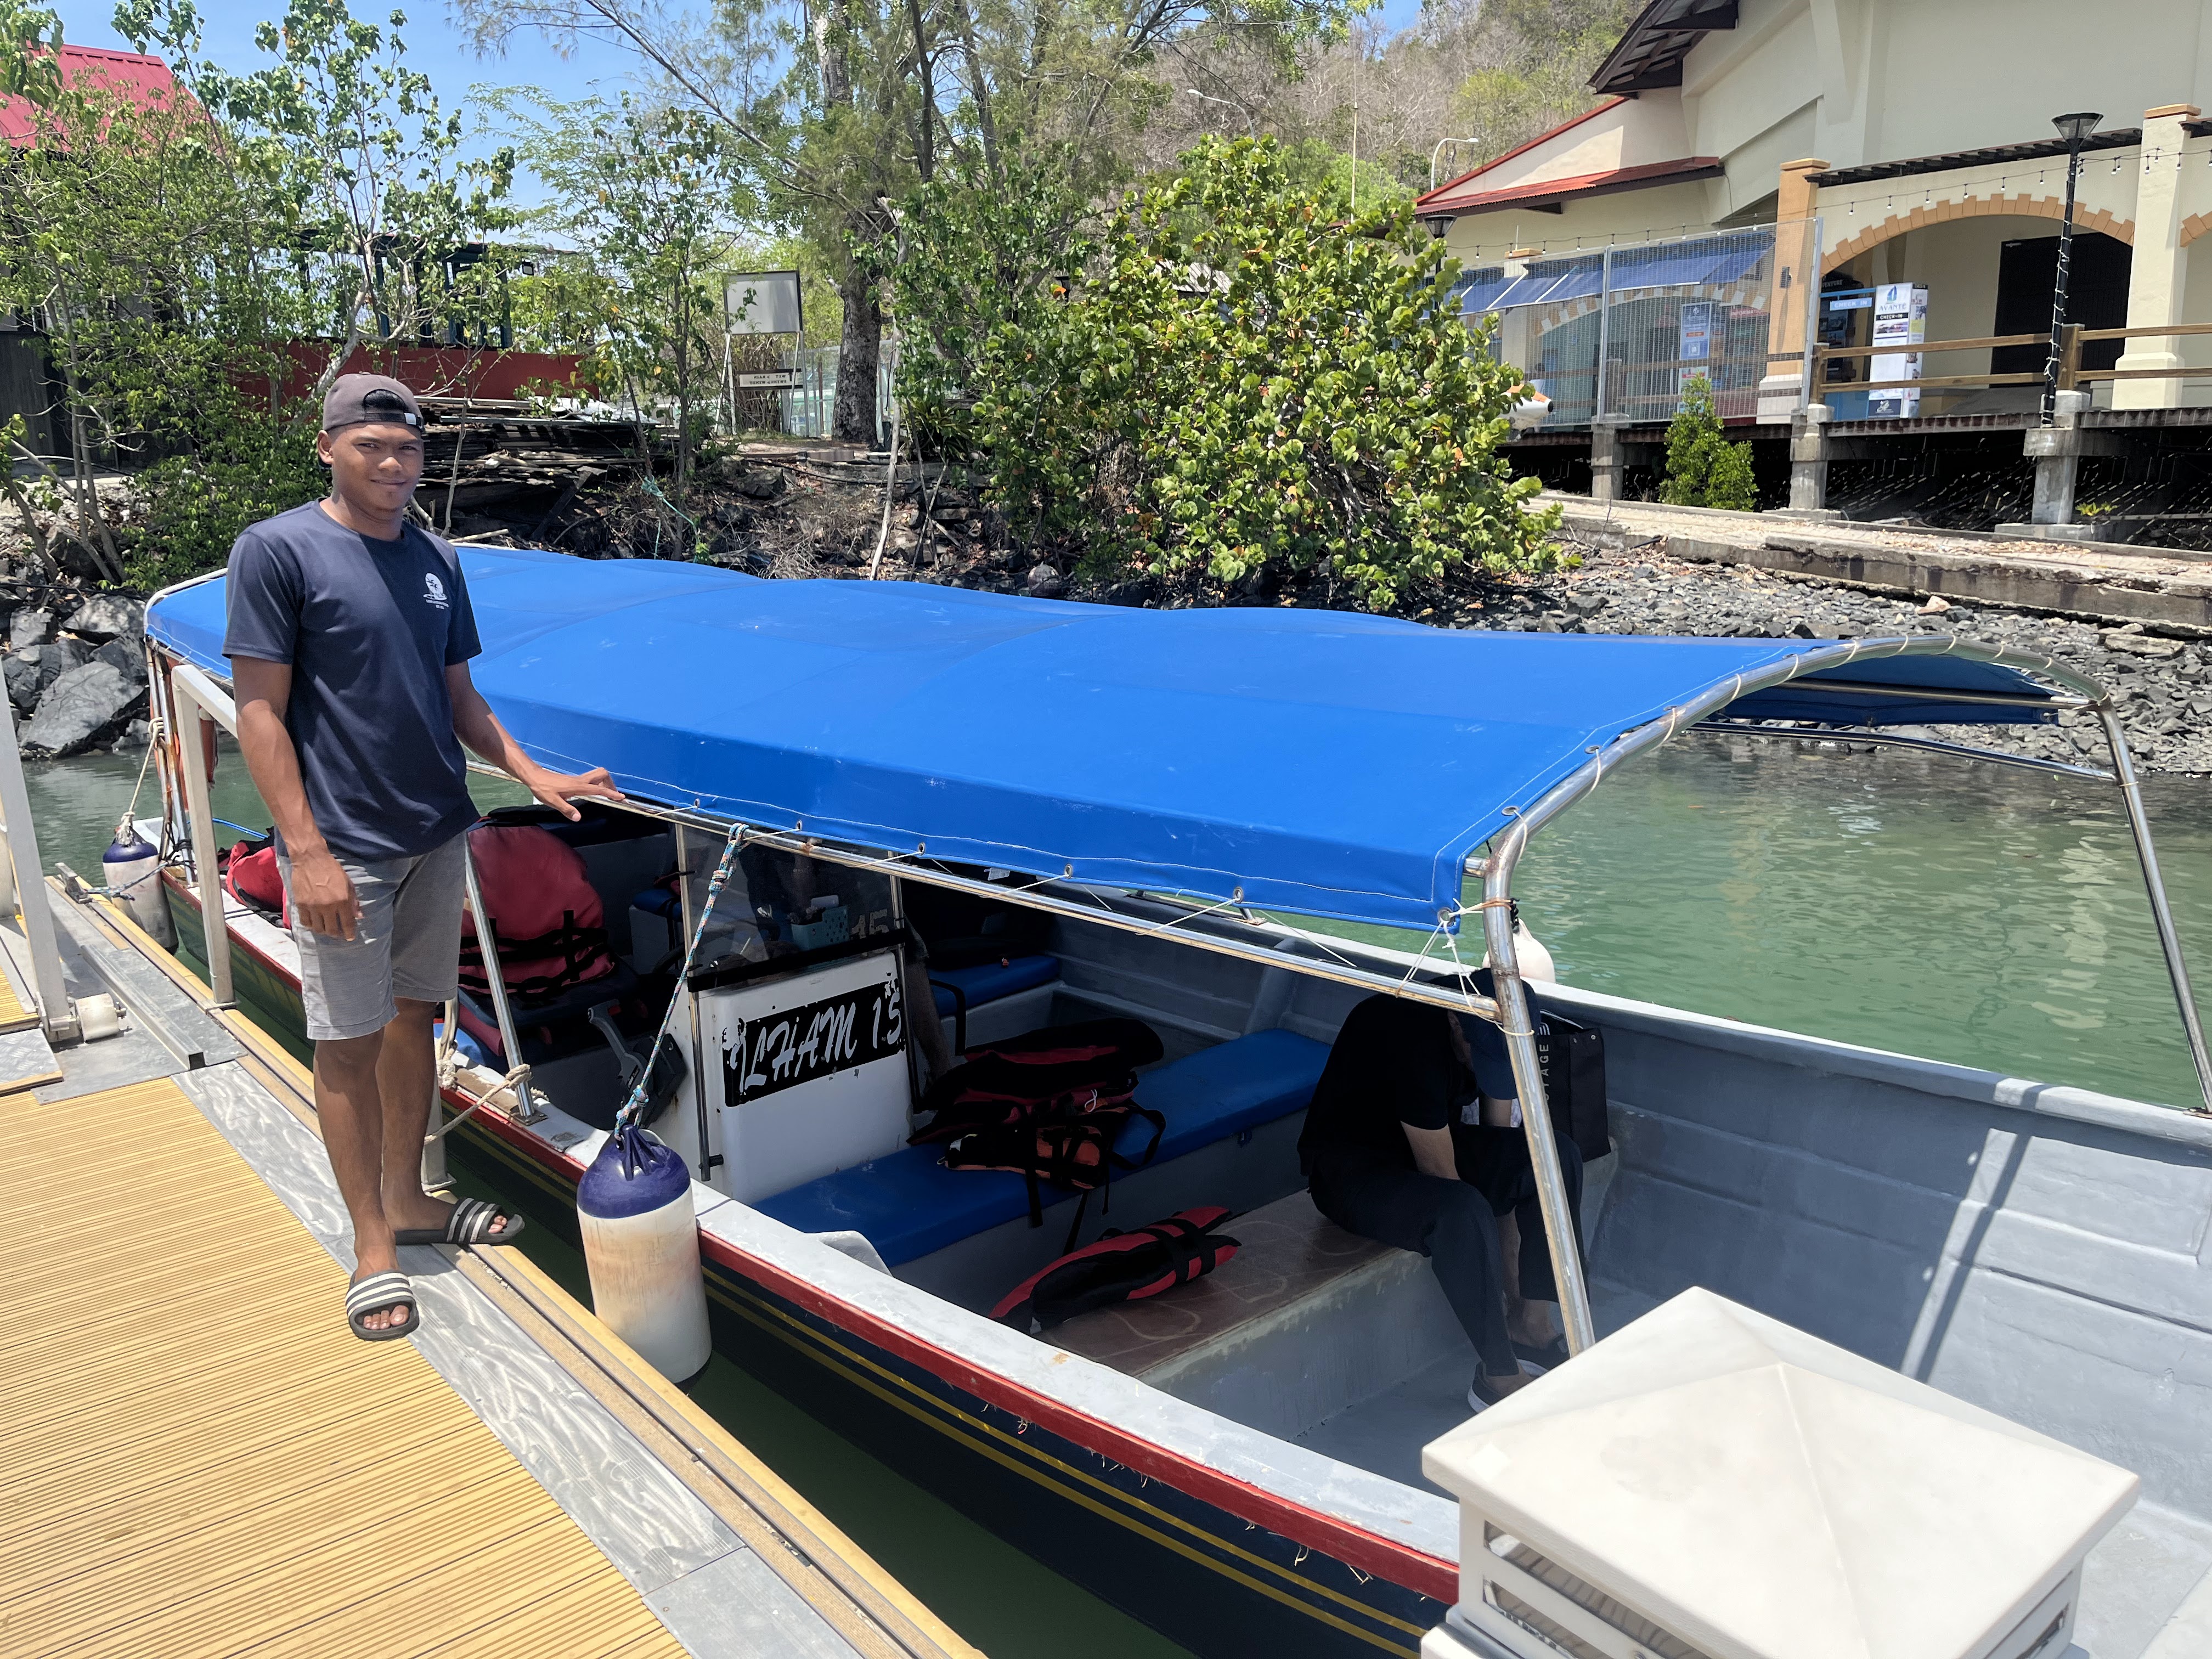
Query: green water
[[1982, 915]]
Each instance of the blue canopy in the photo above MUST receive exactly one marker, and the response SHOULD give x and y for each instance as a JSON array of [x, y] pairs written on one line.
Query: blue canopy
[[1320, 762]]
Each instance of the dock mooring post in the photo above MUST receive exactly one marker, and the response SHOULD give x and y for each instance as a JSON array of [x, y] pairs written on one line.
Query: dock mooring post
[[2056, 451], [1606, 458], [1708, 1480], [1809, 456]]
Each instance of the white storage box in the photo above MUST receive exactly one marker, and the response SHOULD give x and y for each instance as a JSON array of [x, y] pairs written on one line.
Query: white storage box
[[806, 1073]]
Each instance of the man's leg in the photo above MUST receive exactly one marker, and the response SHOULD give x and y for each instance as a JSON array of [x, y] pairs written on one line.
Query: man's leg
[[426, 949], [1496, 1161], [346, 987], [406, 1073], [348, 1107], [1447, 1221]]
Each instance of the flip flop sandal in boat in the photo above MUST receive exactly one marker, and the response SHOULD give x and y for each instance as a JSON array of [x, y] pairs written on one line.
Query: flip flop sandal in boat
[[470, 1222], [373, 1295], [1549, 1356]]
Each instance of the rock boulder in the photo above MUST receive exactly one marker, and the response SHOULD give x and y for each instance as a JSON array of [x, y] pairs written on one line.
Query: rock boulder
[[29, 627], [30, 673], [79, 706], [127, 654], [106, 616]]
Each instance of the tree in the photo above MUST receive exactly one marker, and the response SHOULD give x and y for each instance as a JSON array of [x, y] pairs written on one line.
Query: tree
[[1247, 377], [840, 108], [1702, 469], [385, 216], [648, 195], [132, 236]]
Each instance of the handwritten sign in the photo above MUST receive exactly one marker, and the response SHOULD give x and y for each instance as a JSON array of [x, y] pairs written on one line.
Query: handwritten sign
[[779, 1051]]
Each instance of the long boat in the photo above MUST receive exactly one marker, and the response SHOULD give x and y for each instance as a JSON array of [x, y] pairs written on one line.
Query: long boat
[[1171, 816]]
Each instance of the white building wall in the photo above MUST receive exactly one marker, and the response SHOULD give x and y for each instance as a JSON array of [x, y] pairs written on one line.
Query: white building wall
[[1636, 215]]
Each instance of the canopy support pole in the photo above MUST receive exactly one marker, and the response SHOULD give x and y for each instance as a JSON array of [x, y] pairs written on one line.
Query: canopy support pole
[[2161, 913], [525, 1105], [1520, 1033], [201, 703]]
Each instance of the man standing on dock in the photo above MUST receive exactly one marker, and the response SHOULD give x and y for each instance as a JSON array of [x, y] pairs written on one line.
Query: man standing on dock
[[350, 638]]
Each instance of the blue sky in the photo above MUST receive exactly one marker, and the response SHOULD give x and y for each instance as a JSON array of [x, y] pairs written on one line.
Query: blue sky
[[440, 50], [437, 47]]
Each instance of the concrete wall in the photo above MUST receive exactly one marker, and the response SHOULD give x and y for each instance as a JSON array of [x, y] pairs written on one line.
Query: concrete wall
[[1628, 133], [1638, 216], [1891, 79]]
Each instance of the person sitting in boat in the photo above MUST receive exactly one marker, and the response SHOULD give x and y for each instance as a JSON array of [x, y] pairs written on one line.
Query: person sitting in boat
[[349, 634], [1413, 1139]]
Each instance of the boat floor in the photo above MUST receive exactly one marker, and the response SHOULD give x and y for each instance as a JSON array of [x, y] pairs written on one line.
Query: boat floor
[[201, 1458]]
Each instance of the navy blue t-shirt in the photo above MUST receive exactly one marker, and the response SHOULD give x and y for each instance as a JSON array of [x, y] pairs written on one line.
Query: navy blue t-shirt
[[369, 628]]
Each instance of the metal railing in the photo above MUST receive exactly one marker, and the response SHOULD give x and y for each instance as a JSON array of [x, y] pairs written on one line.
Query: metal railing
[[2071, 375]]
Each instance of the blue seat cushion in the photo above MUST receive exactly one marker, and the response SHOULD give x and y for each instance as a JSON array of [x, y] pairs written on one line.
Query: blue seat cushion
[[991, 982], [909, 1204]]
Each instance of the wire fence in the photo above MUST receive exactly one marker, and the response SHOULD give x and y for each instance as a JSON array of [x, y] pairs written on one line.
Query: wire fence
[[1621, 332]]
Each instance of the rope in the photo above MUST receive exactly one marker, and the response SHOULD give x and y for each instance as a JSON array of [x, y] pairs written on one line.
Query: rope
[[630, 1108], [506, 1086]]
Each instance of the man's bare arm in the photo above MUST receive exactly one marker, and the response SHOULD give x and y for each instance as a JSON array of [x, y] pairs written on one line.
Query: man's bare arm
[[479, 730], [323, 899], [1433, 1151]]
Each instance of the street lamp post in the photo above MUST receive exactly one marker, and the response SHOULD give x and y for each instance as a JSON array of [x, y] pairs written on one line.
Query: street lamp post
[[2073, 128]]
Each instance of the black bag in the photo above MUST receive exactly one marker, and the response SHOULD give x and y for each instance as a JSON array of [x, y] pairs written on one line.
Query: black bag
[[1573, 1058]]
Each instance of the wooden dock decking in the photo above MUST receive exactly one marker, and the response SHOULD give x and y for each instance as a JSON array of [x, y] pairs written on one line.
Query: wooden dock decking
[[202, 1459], [197, 1457]]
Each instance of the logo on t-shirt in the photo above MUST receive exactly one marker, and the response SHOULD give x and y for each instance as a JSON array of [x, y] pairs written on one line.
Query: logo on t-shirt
[[433, 590]]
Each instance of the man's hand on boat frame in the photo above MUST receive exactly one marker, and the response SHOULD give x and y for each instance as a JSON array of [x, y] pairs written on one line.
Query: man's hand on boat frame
[[557, 789]]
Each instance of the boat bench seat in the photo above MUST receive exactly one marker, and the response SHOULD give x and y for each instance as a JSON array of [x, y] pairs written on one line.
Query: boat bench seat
[[909, 1204], [988, 982], [1304, 1320]]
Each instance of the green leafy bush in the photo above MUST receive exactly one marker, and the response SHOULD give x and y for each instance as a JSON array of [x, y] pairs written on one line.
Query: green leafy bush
[[193, 506], [1237, 374], [1703, 469]]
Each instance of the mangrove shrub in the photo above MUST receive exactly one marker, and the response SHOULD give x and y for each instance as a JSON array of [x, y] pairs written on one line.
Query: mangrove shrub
[[1237, 374]]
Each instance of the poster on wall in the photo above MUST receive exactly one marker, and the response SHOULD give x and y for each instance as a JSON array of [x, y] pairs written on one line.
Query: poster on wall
[[1900, 322], [1694, 343]]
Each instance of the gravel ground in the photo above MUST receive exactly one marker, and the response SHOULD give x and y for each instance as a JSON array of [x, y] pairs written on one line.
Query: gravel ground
[[2165, 684]]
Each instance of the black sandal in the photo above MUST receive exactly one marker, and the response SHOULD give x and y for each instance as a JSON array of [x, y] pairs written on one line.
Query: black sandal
[[470, 1222], [373, 1295]]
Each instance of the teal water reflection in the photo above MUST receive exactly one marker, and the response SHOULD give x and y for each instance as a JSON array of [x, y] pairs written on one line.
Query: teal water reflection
[[1982, 915]]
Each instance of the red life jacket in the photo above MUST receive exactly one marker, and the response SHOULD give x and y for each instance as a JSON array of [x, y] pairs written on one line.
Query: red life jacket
[[546, 916], [1047, 1105], [1119, 1267]]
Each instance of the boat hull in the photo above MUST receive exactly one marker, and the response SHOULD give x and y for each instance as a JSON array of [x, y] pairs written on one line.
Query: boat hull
[[1119, 1519]]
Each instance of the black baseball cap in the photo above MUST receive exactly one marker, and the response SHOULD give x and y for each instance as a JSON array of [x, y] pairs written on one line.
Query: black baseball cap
[[369, 400]]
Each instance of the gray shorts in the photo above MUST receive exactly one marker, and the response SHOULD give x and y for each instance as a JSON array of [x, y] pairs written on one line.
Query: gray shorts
[[407, 943]]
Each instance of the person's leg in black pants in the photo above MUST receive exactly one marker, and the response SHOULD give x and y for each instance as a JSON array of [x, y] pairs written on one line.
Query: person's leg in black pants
[[1449, 1222], [1496, 1163]]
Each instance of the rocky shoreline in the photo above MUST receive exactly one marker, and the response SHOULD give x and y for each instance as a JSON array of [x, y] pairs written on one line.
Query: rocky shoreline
[[75, 672], [2164, 682]]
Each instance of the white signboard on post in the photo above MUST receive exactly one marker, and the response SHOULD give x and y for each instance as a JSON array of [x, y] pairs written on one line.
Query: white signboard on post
[[764, 302]]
